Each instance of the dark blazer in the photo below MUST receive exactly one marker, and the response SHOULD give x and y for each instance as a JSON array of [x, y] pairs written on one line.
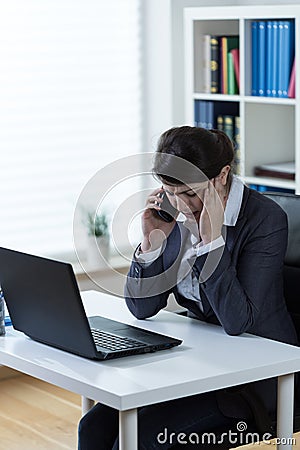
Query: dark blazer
[[243, 292]]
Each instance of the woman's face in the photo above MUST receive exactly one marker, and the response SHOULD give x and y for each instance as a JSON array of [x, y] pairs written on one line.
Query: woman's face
[[187, 199]]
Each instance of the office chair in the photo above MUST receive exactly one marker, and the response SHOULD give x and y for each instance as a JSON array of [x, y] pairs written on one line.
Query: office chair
[[290, 203]]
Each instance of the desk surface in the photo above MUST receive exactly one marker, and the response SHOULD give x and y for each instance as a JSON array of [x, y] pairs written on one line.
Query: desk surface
[[207, 360]]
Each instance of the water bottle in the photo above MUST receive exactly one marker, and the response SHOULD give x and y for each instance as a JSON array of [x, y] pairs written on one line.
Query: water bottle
[[2, 313]]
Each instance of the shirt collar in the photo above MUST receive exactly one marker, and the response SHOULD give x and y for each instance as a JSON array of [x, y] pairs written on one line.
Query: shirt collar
[[234, 202]]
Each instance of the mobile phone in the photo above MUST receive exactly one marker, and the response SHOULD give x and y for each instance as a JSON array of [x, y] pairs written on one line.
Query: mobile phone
[[167, 212]]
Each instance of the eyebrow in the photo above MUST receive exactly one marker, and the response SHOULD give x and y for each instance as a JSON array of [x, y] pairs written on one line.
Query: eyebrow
[[181, 192]]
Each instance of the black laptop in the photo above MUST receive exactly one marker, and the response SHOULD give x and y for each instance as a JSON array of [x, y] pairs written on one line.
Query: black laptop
[[44, 302]]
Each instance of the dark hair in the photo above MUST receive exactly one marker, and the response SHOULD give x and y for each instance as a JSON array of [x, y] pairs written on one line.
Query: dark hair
[[190, 154]]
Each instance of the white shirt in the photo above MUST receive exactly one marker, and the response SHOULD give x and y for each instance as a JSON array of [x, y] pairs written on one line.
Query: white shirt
[[187, 283]]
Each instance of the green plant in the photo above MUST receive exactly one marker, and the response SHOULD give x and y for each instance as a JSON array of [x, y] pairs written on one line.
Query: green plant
[[97, 224]]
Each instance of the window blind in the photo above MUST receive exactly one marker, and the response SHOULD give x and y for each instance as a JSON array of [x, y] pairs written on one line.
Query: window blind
[[69, 104]]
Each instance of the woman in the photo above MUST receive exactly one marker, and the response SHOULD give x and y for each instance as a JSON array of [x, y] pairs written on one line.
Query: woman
[[221, 255]]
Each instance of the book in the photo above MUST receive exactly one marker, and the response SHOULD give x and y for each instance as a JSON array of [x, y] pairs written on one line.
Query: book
[[254, 55], [237, 149], [284, 57], [223, 65], [205, 64], [214, 64], [274, 59], [227, 44], [231, 77], [291, 89], [261, 43], [228, 125], [202, 114], [220, 124], [263, 188], [209, 115], [216, 109], [196, 113], [236, 64], [284, 170], [269, 56]]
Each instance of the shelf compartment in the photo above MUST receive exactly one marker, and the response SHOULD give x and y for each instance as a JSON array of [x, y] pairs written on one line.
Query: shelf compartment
[[213, 28], [268, 60], [269, 135]]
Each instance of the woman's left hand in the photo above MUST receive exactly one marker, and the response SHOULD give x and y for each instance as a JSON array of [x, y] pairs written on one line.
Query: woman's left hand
[[212, 215]]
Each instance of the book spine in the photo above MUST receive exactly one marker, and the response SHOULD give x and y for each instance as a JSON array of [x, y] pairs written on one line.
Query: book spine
[[291, 90], [214, 64], [274, 60], [284, 57], [228, 126], [261, 58], [202, 114], [224, 88], [196, 113], [230, 74], [237, 149], [254, 54], [281, 57], [236, 64], [269, 55], [220, 123], [205, 66], [209, 115]]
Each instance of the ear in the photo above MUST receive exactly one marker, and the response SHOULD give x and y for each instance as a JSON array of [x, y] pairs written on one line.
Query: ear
[[223, 175]]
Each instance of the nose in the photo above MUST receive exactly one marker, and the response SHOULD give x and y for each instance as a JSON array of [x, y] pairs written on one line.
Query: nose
[[183, 205]]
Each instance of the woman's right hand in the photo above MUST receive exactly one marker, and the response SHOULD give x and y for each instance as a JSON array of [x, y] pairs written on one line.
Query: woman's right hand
[[155, 229]]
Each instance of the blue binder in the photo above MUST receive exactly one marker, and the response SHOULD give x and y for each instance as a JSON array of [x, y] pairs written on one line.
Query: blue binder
[[261, 80], [274, 60], [202, 114], [269, 56], [254, 54], [210, 115], [284, 59], [196, 113]]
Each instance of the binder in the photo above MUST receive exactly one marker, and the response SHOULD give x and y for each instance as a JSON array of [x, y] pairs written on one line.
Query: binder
[[202, 114], [254, 53], [284, 57], [261, 40], [210, 115], [196, 113], [269, 56], [237, 149], [274, 59]]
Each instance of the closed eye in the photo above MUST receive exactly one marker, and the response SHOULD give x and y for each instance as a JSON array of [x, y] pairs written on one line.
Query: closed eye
[[171, 194]]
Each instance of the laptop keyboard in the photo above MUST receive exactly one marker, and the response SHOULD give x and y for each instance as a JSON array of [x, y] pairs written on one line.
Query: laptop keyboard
[[114, 342]]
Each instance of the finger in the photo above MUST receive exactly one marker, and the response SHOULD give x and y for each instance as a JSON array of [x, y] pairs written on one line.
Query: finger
[[154, 201], [157, 191]]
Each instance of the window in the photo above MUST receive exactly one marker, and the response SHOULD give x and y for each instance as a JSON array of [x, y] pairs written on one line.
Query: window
[[69, 104]]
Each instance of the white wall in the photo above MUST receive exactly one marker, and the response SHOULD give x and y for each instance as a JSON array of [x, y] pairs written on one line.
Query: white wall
[[157, 68]]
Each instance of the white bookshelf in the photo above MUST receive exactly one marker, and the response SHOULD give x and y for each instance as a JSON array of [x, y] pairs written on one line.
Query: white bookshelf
[[269, 127]]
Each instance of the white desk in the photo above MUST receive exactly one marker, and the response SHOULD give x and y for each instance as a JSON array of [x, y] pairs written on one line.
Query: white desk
[[207, 360]]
